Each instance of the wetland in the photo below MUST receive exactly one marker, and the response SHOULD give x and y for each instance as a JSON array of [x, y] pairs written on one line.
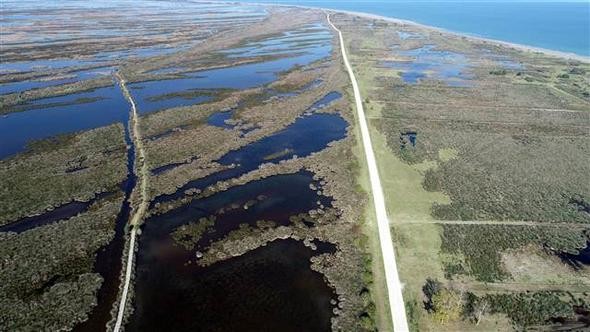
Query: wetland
[[274, 280], [243, 123], [245, 152]]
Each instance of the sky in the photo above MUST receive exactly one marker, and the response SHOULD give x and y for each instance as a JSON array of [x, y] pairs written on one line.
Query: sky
[[389, 1]]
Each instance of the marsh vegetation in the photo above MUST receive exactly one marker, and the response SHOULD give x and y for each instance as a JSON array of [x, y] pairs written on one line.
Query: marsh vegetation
[[255, 185], [248, 136]]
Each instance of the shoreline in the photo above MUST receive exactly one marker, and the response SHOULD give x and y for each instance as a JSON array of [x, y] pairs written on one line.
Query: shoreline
[[520, 47]]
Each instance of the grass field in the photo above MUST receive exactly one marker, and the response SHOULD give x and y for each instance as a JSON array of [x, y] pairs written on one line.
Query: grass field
[[508, 147]]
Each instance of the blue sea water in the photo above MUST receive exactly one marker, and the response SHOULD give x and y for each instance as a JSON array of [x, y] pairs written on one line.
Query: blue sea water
[[561, 26]]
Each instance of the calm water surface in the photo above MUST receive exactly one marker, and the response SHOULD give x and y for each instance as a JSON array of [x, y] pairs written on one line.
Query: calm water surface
[[561, 26], [427, 62], [156, 95], [306, 135], [63, 212], [270, 288], [48, 117], [70, 77], [61, 115]]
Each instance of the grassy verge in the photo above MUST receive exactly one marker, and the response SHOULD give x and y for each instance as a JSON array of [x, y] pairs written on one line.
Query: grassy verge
[[379, 287]]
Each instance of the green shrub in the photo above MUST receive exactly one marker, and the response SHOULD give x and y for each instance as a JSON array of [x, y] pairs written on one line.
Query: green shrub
[[482, 245], [498, 72], [527, 309]]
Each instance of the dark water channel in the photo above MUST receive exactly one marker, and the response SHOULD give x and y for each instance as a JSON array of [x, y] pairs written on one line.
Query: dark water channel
[[221, 119], [577, 260], [163, 169], [306, 135], [108, 259], [265, 199], [62, 212], [271, 288]]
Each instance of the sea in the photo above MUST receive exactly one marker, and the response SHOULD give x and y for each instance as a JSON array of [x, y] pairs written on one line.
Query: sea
[[558, 26]]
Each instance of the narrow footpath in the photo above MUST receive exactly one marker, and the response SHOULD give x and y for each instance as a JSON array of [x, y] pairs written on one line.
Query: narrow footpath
[[141, 208], [394, 287]]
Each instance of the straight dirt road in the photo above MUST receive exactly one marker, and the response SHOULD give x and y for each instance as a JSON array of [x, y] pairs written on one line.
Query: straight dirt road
[[394, 287], [137, 218]]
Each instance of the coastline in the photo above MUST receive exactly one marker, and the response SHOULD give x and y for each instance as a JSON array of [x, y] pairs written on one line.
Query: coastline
[[519, 47]]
